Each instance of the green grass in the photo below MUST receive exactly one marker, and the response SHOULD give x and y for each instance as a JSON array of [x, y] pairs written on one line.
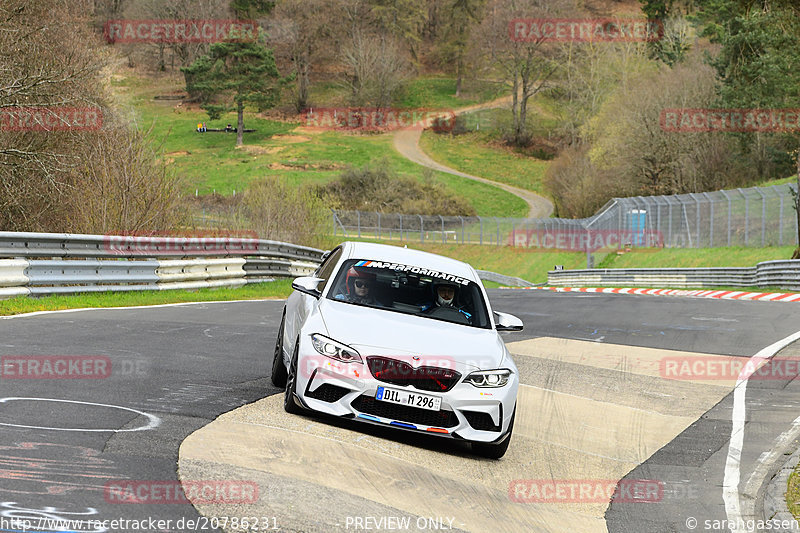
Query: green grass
[[793, 493], [698, 257], [528, 265], [278, 289], [471, 154], [534, 265], [439, 93], [518, 262], [780, 181], [211, 162]]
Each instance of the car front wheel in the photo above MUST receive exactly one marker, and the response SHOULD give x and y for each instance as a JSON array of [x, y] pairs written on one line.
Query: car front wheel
[[278, 368], [494, 450], [289, 404]]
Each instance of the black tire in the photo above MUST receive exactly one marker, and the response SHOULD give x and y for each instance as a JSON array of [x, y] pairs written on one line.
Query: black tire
[[495, 450], [289, 404], [278, 368]]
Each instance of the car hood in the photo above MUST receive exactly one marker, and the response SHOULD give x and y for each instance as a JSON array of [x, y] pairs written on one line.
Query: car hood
[[378, 332]]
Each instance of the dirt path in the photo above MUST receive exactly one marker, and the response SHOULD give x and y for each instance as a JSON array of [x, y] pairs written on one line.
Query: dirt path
[[407, 143]]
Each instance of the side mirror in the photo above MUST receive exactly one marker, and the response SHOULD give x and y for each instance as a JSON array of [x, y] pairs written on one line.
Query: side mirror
[[308, 285], [506, 322]]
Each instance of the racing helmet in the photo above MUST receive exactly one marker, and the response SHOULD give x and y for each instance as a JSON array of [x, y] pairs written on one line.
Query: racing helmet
[[442, 302], [353, 274]]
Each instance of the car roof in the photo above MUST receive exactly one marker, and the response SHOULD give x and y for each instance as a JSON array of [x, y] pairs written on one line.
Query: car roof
[[395, 254]]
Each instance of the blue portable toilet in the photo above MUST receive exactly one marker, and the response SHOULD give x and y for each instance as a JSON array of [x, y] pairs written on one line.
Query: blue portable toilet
[[637, 219]]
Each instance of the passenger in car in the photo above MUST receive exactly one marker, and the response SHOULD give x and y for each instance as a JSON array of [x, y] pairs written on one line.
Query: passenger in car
[[359, 287]]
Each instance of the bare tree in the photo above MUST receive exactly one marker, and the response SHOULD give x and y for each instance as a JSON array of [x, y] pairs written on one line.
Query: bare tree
[[589, 73], [374, 70], [45, 173], [184, 52], [526, 64], [300, 30]]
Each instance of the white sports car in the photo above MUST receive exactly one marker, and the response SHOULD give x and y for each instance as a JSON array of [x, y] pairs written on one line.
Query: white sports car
[[399, 337]]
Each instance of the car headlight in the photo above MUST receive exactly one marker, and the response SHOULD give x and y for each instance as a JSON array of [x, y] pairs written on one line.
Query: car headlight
[[489, 378], [334, 350]]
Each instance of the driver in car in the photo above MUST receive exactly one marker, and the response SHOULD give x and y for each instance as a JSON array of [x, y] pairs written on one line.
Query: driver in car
[[445, 297]]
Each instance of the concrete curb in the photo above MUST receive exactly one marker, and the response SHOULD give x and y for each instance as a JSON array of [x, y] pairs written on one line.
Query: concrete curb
[[721, 295]]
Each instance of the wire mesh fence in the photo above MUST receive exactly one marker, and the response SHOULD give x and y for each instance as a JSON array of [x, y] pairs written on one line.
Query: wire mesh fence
[[755, 216]]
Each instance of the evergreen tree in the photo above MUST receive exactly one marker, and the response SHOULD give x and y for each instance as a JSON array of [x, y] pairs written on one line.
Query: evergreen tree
[[235, 73]]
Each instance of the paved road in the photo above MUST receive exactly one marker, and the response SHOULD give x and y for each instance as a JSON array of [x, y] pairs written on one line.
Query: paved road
[[407, 143], [584, 357]]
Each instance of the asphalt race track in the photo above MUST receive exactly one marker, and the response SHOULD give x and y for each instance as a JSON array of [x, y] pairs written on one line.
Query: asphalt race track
[[597, 406]]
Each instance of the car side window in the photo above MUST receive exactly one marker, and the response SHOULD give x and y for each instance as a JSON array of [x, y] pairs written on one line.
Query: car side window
[[325, 270]]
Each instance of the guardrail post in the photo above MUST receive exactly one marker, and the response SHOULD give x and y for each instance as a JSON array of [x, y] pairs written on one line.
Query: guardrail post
[[481, 221], [780, 223], [401, 228], [442, 219], [358, 215], [421, 229], [462, 229], [333, 219], [497, 222], [378, 229]]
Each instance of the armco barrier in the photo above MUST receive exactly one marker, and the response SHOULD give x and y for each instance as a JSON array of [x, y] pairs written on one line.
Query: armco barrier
[[66, 245], [779, 274], [505, 280], [60, 263], [55, 263]]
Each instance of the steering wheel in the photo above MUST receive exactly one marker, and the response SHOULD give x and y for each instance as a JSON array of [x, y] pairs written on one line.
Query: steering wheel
[[450, 314]]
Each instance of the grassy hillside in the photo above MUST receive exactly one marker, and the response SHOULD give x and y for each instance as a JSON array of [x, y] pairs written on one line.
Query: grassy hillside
[[211, 162]]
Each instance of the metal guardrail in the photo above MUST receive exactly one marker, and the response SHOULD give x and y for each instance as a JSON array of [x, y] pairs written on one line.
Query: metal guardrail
[[780, 274], [58, 263], [66, 245], [505, 280]]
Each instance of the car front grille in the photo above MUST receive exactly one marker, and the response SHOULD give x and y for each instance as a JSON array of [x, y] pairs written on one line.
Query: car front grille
[[427, 378], [404, 413]]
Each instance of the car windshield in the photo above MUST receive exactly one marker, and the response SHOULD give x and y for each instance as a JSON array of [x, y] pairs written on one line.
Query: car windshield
[[411, 290]]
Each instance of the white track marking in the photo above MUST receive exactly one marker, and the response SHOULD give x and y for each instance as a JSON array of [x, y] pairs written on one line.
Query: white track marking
[[36, 313], [730, 483], [153, 423]]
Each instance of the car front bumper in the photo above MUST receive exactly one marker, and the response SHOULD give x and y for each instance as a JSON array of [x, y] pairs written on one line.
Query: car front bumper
[[349, 390]]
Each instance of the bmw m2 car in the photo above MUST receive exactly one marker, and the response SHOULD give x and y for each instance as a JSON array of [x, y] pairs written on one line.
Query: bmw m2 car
[[402, 338]]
